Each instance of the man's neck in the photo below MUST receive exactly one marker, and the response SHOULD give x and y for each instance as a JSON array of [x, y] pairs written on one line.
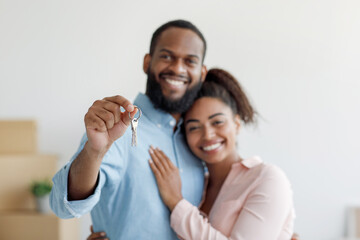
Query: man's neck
[[177, 116]]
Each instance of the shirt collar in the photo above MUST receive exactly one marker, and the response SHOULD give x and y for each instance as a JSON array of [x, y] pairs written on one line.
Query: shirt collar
[[249, 162], [252, 162], [158, 116]]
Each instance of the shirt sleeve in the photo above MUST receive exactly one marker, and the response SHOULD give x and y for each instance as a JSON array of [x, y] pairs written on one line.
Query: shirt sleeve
[[109, 175], [263, 215]]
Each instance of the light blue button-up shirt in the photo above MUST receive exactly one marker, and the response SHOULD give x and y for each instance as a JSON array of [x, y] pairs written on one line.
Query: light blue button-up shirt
[[126, 203]]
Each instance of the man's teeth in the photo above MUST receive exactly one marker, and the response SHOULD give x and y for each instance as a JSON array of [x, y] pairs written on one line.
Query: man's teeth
[[211, 147], [175, 82]]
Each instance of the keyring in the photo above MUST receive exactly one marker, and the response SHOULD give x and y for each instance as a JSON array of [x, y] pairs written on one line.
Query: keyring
[[136, 119]]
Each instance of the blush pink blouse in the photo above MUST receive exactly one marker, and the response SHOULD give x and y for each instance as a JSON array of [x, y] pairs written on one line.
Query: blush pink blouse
[[254, 203]]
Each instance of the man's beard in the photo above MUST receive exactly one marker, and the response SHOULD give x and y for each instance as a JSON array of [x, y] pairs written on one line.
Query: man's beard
[[154, 92]]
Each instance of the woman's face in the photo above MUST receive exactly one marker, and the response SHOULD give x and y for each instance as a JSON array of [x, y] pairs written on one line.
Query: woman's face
[[211, 130]]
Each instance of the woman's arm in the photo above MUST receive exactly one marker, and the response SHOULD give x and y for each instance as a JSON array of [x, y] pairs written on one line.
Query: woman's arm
[[263, 215], [267, 212]]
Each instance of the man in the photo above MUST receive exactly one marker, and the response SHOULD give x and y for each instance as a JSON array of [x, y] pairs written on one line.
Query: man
[[112, 179]]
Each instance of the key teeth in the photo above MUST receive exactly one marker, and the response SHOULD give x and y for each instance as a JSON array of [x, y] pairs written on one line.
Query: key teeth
[[134, 123], [134, 140]]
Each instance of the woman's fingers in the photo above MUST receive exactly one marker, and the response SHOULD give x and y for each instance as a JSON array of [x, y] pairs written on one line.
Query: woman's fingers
[[158, 163], [161, 165], [167, 177], [96, 236], [166, 160], [154, 169]]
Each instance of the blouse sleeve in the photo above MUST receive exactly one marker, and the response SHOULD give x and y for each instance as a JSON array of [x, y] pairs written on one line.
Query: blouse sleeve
[[263, 215]]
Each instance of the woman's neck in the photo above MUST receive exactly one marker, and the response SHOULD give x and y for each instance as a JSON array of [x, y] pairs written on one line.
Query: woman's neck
[[219, 171]]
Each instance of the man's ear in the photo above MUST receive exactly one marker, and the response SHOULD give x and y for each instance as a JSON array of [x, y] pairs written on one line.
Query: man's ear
[[237, 120], [203, 73], [146, 64]]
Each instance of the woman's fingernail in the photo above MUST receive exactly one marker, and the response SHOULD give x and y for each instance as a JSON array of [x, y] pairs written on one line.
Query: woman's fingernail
[[102, 234], [151, 150], [150, 161]]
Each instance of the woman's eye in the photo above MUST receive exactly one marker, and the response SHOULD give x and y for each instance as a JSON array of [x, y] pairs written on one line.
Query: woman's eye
[[218, 122], [190, 129]]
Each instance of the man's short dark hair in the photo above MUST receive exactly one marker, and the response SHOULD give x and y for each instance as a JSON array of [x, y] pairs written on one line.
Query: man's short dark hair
[[179, 24]]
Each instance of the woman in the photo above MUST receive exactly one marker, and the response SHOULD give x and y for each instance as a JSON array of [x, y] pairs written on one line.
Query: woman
[[243, 198]]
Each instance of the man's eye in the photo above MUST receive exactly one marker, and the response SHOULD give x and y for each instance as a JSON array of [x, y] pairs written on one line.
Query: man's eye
[[166, 57], [191, 61]]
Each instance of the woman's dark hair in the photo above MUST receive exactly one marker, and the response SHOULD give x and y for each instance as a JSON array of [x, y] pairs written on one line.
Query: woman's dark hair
[[222, 85]]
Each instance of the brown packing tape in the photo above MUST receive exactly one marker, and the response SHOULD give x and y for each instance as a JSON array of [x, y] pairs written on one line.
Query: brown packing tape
[[18, 137], [17, 173]]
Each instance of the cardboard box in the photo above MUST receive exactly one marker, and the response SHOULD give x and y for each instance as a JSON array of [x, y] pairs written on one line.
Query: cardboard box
[[357, 222], [17, 174], [18, 137], [353, 222], [35, 226]]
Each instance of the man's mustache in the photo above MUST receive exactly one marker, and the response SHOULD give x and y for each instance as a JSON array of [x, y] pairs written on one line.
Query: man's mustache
[[172, 74]]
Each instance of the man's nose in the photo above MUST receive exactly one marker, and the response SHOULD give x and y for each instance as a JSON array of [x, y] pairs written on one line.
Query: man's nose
[[178, 67]]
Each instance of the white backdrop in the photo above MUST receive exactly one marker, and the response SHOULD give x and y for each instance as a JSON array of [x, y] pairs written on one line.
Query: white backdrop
[[298, 61]]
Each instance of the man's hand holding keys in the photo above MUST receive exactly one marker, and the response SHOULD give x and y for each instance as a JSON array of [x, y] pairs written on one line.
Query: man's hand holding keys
[[105, 122]]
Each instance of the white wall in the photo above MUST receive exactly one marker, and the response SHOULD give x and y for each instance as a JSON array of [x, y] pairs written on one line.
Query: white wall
[[298, 60]]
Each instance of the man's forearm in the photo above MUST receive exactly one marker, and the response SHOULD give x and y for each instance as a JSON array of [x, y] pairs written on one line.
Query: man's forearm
[[83, 174]]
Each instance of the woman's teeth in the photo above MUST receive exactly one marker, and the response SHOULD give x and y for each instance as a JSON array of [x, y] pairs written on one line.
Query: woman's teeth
[[212, 147]]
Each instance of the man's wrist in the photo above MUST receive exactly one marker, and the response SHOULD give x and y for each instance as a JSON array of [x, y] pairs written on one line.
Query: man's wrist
[[94, 154]]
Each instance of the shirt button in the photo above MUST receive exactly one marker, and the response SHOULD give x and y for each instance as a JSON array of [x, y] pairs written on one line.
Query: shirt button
[[180, 170], [159, 125], [172, 123]]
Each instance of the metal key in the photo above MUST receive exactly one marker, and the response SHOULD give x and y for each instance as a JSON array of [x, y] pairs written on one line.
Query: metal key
[[134, 124]]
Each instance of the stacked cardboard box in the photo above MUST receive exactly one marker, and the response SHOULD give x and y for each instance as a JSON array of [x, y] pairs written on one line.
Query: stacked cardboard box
[[353, 222], [20, 164]]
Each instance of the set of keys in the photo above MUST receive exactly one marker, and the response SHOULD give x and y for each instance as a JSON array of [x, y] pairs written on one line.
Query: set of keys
[[134, 124]]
